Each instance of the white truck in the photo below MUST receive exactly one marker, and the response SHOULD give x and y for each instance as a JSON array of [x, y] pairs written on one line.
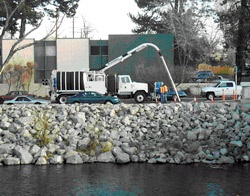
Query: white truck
[[68, 83], [227, 88]]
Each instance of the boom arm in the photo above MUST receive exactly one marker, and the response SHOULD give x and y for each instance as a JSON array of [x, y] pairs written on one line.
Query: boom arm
[[135, 50]]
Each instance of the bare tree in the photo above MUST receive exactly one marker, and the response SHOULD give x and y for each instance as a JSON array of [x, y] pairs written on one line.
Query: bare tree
[[86, 29], [5, 28]]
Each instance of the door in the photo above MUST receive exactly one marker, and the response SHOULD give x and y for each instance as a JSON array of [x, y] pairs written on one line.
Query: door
[[227, 87], [125, 85]]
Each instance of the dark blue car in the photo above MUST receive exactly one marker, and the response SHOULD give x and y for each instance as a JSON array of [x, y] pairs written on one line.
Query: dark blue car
[[92, 97]]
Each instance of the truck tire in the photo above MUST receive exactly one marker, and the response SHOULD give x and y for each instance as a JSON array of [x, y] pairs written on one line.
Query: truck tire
[[62, 99], [140, 97], [210, 96]]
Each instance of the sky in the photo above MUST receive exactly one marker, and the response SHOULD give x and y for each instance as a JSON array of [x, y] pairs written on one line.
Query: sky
[[105, 17]]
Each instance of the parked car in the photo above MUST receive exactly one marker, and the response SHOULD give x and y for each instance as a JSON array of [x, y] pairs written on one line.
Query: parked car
[[92, 97], [26, 100], [203, 76], [12, 94], [245, 73]]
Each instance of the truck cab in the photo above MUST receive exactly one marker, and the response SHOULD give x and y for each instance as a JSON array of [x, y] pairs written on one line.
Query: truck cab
[[126, 87]]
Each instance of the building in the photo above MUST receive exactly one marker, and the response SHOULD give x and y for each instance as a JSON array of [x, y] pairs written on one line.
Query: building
[[85, 54]]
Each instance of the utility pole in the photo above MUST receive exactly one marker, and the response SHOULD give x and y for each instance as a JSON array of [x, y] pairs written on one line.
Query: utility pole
[[73, 27]]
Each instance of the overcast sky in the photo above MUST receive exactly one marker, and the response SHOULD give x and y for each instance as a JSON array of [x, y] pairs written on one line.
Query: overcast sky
[[105, 17]]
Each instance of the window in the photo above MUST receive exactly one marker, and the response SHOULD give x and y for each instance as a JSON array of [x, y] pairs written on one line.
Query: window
[[45, 58], [95, 50], [229, 84], [125, 80], [104, 50], [223, 85], [99, 50]]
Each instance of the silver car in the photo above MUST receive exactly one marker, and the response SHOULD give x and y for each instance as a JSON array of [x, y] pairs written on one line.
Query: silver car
[[26, 100]]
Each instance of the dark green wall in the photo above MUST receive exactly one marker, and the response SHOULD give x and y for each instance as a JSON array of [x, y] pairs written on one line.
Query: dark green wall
[[144, 66], [96, 62]]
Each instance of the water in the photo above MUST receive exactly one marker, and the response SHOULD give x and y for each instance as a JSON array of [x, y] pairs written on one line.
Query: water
[[106, 179]]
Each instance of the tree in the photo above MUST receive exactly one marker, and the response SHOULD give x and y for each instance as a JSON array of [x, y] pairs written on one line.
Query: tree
[[180, 18], [15, 15], [235, 23]]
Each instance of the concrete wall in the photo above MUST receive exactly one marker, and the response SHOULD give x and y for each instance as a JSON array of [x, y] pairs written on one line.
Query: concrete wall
[[72, 54]]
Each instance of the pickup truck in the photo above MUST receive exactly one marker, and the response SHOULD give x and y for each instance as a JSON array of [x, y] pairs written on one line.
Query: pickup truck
[[227, 87]]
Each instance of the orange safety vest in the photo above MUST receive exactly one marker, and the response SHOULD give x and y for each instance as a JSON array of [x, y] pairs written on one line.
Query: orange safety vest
[[162, 89]]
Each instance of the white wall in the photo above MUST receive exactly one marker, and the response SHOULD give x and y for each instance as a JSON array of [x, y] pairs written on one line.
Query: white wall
[[72, 54]]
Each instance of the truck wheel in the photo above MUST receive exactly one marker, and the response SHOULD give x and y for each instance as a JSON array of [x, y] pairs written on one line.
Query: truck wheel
[[210, 96], [62, 99], [140, 97]]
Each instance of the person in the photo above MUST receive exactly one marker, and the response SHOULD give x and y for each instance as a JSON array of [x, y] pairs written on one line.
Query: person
[[162, 93], [165, 92]]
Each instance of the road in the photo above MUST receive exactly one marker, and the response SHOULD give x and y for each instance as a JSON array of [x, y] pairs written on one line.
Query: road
[[187, 99]]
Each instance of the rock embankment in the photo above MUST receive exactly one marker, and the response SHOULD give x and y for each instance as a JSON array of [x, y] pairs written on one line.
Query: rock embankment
[[155, 133]]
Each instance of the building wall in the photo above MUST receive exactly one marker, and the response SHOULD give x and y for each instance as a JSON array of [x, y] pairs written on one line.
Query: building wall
[[23, 59], [98, 54], [72, 54]]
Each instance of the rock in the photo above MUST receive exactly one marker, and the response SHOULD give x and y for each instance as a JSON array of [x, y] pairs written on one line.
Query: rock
[[74, 159], [130, 150], [41, 161], [11, 161], [14, 127], [121, 157], [192, 148], [226, 160], [6, 149], [191, 136], [126, 120], [223, 151], [23, 155], [133, 110], [236, 143], [106, 157], [56, 159], [28, 120]]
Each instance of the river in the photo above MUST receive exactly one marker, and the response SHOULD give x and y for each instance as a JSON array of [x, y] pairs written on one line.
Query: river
[[106, 179]]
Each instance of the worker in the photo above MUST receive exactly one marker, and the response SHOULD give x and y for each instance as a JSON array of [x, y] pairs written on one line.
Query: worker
[[165, 92], [162, 93]]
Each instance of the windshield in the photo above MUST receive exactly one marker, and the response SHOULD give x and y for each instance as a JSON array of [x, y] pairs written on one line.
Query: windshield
[[217, 84]]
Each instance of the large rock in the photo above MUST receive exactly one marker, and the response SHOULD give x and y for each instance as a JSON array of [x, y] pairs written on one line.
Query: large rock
[[23, 155], [74, 159], [41, 161], [121, 157], [7, 149], [11, 161], [56, 159], [106, 157]]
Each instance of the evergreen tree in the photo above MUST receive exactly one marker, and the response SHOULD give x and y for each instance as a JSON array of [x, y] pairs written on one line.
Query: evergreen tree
[[235, 23]]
